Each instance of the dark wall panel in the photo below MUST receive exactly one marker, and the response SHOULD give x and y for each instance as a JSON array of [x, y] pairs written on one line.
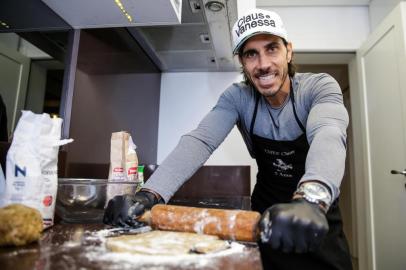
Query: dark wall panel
[[117, 87], [103, 104]]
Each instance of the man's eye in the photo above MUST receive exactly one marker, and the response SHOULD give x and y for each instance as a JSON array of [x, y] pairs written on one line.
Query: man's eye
[[250, 54], [272, 48]]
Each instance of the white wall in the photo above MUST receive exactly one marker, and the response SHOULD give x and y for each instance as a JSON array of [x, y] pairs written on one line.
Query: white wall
[[379, 9], [185, 99], [244, 5], [324, 28]]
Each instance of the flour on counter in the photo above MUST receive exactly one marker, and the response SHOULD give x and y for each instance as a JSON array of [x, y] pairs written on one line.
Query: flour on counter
[[123, 260], [128, 260]]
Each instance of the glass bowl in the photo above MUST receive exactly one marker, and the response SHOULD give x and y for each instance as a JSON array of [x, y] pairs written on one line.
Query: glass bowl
[[82, 200]]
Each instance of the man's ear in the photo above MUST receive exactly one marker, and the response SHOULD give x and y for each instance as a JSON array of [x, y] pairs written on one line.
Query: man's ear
[[289, 52]]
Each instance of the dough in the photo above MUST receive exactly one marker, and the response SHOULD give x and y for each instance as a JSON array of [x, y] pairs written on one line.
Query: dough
[[19, 225], [166, 243]]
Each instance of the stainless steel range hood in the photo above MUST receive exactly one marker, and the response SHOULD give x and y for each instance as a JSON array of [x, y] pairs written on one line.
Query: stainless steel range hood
[[202, 42], [178, 35]]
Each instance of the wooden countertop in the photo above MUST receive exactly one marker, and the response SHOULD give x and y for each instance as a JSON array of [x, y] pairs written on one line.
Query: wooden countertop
[[74, 246]]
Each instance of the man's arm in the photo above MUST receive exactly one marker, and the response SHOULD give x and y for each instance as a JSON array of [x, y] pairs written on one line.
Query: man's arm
[[194, 148], [191, 152], [326, 132]]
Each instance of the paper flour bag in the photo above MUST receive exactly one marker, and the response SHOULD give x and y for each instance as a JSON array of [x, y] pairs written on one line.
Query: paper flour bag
[[131, 161], [31, 168], [123, 165], [123, 157]]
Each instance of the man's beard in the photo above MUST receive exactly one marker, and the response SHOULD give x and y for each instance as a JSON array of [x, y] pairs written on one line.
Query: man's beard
[[272, 94]]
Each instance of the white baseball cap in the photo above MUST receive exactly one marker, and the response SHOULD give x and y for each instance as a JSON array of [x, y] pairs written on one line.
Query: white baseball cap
[[255, 22]]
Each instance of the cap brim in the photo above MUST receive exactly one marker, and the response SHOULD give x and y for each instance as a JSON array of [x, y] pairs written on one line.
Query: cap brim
[[236, 49]]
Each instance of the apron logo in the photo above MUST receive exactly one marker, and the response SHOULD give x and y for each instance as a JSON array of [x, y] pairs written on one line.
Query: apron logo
[[282, 166]]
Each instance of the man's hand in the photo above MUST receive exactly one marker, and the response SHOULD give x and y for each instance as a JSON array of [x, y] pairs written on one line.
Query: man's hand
[[298, 226], [123, 210]]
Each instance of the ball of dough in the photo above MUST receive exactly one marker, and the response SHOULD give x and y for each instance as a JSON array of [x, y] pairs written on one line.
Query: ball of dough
[[19, 225]]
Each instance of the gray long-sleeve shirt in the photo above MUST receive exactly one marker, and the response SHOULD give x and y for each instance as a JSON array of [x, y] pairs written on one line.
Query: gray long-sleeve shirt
[[319, 106]]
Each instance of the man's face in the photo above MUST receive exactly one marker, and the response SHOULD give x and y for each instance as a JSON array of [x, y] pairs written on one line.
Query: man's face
[[265, 61]]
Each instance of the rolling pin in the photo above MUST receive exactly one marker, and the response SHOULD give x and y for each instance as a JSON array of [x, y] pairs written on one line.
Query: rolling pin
[[237, 225]]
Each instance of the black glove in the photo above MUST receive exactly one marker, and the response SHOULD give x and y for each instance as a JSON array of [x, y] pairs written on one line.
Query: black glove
[[123, 210], [299, 226]]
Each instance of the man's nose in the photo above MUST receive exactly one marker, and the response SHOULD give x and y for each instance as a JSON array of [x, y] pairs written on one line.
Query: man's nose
[[264, 62]]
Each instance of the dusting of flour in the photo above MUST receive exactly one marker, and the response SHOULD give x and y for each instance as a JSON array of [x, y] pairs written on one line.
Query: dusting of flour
[[122, 260]]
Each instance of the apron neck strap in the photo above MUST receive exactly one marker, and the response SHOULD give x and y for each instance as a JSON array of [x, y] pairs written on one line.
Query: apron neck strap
[[294, 109], [254, 115]]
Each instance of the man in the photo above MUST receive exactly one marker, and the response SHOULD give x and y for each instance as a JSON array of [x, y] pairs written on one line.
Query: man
[[294, 125]]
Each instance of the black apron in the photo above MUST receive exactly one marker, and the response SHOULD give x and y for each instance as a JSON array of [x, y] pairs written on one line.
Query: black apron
[[281, 164]]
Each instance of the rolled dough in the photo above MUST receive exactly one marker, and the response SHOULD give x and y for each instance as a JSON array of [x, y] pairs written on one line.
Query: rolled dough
[[166, 243]]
